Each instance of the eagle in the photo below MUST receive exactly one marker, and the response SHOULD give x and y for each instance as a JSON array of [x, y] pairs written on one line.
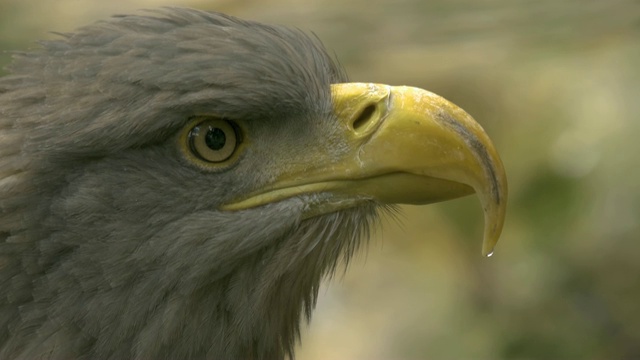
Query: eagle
[[175, 184]]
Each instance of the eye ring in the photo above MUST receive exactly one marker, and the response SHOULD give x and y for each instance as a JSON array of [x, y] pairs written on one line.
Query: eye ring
[[213, 140]]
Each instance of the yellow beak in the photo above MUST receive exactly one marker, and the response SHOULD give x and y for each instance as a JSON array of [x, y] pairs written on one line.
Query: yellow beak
[[405, 145]]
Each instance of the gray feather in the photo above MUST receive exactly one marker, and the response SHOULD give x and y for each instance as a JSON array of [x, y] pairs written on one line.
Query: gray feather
[[111, 244]]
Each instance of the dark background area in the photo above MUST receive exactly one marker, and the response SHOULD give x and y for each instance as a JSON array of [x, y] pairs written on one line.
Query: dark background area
[[556, 84]]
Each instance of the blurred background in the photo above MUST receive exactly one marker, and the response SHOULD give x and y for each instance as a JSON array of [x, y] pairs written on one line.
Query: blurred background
[[556, 84]]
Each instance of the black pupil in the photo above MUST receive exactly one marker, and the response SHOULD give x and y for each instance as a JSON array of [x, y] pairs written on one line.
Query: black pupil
[[215, 139]]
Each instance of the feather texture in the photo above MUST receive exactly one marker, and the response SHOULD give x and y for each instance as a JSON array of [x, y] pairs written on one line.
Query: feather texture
[[111, 244]]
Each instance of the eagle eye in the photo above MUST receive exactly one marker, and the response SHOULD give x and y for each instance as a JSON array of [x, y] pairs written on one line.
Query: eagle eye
[[213, 140]]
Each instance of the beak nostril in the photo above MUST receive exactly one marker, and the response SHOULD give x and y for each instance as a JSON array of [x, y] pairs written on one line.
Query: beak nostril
[[364, 116]]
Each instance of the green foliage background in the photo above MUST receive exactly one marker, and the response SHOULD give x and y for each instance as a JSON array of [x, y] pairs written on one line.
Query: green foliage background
[[557, 86]]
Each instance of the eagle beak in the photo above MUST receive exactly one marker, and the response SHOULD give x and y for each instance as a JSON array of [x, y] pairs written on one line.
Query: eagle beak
[[405, 145]]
